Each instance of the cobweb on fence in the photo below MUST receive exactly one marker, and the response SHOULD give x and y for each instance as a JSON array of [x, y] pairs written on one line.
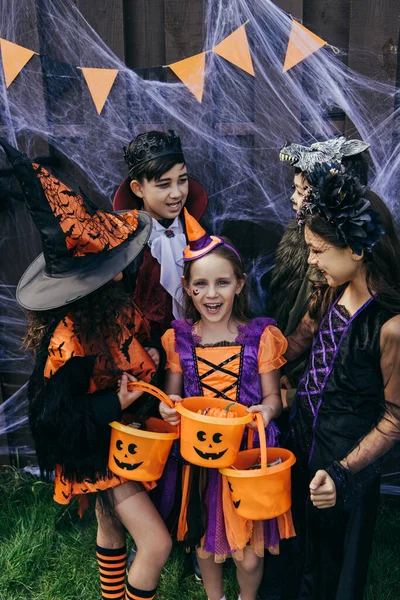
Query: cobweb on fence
[[231, 140]]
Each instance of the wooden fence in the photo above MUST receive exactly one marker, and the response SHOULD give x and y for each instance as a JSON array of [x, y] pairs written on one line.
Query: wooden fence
[[147, 33]]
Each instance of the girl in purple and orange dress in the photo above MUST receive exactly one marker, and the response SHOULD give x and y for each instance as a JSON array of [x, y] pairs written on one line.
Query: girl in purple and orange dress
[[217, 351]]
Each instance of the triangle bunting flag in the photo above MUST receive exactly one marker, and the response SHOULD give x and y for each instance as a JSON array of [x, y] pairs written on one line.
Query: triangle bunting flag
[[99, 82], [235, 49], [191, 72], [14, 59], [302, 43]]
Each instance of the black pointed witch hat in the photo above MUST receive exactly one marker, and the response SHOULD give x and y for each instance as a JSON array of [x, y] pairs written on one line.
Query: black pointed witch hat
[[83, 247]]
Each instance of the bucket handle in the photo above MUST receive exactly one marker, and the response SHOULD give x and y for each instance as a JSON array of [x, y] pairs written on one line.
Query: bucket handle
[[263, 439], [151, 389]]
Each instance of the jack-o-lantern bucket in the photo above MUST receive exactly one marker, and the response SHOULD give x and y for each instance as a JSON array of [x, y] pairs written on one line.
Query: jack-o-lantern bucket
[[211, 441], [261, 493], [141, 454]]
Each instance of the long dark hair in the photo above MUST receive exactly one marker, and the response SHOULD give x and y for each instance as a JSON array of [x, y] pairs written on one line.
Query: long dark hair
[[240, 309], [93, 315], [382, 264]]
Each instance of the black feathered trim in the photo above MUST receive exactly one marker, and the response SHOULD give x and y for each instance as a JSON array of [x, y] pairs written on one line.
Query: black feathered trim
[[288, 274], [66, 428]]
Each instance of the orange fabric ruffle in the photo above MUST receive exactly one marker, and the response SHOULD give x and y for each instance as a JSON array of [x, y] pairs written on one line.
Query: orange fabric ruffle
[[241, 533], [173, 361], [65, 490], [273, 346]]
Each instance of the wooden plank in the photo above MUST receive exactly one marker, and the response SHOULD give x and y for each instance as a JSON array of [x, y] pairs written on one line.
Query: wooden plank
[[107, 19], [184, 29], [144, 33], [329, 20], [293, 7], [373, 24], [265, 153], [24, 33], [17, 226], [374, 27]]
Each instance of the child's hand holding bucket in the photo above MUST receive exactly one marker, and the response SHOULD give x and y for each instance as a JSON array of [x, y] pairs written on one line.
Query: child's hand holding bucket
[[126, 398], [171, 415], [266, 413]]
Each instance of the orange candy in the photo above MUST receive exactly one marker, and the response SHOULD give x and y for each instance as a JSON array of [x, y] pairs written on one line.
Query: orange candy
[[221, 413]]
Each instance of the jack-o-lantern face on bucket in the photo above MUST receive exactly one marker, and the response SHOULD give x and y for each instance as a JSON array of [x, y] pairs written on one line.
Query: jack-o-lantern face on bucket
[[236, 503], [210, 444], [125, 453]]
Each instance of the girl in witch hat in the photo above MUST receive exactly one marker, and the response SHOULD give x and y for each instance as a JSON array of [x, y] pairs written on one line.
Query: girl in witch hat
[[89, 340], [159, 184], [217, 351]]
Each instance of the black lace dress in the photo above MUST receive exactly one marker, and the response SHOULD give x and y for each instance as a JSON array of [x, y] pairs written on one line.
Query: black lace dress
[[346, 407]]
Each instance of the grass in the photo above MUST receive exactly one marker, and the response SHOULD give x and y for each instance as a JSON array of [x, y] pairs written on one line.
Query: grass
[[47, 552]]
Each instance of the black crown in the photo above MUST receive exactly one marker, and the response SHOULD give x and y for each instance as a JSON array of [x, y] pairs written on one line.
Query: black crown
[[151, 145]]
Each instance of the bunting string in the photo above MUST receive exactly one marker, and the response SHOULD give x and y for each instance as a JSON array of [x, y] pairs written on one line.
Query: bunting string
[[191, 71]]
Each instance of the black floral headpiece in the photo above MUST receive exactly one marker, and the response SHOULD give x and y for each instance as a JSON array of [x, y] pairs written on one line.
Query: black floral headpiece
[[151, 145], [338, 198]]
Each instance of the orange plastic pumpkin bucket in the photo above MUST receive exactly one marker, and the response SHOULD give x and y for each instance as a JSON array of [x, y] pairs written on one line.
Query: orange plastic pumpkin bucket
[[141, 454], [262, 493], [211, 442]]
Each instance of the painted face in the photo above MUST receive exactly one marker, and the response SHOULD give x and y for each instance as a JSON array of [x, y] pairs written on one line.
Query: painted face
[[207, 445], [123, 455], [337, 265], [165, 198], [300, 186], [213, 286]]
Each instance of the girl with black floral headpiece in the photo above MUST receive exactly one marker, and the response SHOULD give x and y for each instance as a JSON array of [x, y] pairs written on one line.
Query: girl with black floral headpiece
[[346, 413]]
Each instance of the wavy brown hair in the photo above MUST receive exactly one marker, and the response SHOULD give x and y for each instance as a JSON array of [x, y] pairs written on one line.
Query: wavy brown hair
[[382, 264], [240, 309], [92, 315]]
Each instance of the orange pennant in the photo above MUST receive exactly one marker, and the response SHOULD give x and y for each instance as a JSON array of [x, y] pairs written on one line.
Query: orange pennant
[[191, 72], [14, 59], [235, 49], [302, 43], [99, 82]]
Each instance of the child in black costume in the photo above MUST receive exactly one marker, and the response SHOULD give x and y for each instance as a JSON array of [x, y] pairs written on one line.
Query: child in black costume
[[292, 278], [346, 413]]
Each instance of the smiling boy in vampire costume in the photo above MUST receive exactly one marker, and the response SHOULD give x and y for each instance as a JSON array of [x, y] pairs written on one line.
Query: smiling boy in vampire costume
[[158, 183]]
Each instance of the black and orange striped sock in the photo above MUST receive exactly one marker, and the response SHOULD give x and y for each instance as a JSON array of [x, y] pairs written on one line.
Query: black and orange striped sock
[[132, 593], [112, 565]]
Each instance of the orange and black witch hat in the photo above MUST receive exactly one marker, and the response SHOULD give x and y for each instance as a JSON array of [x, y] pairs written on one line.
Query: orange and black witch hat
[[200, 243], [83, 247]]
